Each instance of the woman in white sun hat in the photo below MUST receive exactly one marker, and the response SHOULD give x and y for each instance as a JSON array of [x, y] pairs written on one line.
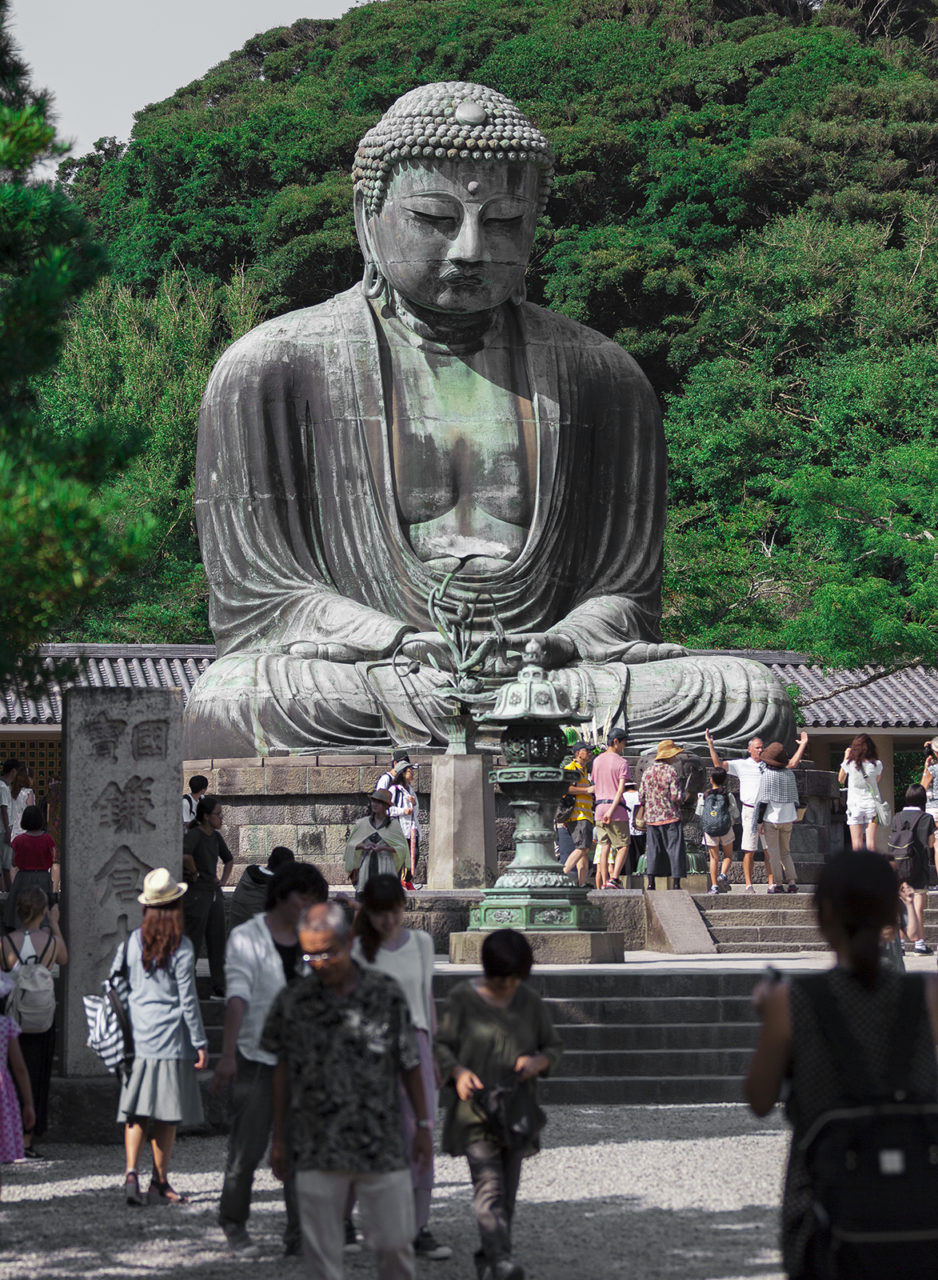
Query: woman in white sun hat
[[161, 1090]]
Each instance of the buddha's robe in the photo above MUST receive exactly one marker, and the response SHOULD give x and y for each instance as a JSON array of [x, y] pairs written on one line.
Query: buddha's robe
[[303, 545]]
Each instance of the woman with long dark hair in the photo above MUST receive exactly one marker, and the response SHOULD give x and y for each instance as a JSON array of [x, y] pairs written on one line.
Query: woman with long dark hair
[[202, 847], [861, 769], [857, 899], [30, 943], [382, 942], [161, 1091]]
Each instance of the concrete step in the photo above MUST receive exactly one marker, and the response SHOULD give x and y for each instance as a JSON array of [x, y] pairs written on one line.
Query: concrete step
[[588, 982], [686, 1009], [640, 1063], [757, 933], [756, 902], [661, 1035], [769, 948], [640, 1090], [778, 919]]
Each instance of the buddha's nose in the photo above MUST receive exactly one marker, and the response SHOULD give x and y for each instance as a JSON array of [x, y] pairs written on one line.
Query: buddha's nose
[[467, 247]]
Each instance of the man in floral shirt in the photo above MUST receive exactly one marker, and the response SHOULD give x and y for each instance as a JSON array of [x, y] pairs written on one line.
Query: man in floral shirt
[[343, 1038], [662, 795]]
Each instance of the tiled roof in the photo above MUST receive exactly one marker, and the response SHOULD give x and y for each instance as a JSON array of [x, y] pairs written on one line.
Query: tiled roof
[[109, 666], [906, 699]]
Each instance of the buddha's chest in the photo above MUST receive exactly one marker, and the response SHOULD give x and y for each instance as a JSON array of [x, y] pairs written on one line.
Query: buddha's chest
[[461, 434]]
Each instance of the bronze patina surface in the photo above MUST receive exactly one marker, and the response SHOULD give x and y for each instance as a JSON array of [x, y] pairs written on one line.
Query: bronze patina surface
[[353, 454]]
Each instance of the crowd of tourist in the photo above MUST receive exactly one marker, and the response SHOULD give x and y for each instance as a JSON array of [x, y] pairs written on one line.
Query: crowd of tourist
[[331, 1055]]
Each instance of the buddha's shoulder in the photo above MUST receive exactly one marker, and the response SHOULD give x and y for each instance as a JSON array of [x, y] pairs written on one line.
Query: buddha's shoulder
[[588, 346], [308, 328]]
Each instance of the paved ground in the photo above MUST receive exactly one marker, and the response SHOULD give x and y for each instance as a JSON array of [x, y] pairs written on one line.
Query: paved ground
[[652, 1193]]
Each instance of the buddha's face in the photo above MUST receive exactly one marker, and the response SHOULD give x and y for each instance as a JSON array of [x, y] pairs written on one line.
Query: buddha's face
[[456, 235]]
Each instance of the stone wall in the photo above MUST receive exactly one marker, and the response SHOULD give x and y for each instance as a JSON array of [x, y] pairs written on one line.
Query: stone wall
[[309, 803]]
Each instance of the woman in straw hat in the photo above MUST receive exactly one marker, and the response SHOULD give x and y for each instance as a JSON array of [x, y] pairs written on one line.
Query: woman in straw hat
[[161, 1090], [662, 795]]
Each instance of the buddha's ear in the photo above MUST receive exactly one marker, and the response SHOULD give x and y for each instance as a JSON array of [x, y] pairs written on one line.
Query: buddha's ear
[[361, 227]]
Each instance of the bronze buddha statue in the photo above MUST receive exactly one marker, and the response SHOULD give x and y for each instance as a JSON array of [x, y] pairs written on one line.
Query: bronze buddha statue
[[353, 454]]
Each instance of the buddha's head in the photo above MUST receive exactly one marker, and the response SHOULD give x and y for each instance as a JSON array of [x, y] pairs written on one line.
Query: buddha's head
[[449, 185]]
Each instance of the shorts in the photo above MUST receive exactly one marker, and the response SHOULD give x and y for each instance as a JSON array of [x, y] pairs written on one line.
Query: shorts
[[581, 833], [860, 815], [751, 840], [717, 842], [614, 833], [6, 856]]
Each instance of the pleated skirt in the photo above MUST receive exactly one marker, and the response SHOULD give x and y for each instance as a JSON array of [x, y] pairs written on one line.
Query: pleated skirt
[[162, 1089]]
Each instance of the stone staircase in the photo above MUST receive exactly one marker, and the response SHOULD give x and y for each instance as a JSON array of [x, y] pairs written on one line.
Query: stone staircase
[[746, 922], [646, 1037]]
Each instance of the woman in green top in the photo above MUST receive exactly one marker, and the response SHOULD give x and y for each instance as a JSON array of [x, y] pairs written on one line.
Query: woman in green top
[[491, 1027]]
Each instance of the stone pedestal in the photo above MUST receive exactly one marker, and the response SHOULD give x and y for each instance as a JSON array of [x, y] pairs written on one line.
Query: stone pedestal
[[550, 947], [123, 753], [462, 824]]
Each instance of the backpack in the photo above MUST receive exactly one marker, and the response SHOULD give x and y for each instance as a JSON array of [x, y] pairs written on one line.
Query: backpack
[[904, 849], [110, 1034], [871, 1160], [716, 816], [31, 1003]]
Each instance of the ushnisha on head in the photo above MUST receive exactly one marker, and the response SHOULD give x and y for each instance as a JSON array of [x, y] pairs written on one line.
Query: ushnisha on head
[[451, 120]]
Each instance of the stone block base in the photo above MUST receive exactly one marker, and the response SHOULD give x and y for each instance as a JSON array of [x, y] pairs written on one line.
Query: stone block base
[[555, 947]]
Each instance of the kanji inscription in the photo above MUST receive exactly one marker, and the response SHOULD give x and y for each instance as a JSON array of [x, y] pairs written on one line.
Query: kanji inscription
[[103, 734], [148, 740], [126, 809]]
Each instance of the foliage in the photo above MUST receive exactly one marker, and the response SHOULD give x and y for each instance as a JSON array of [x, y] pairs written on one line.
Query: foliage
[[745, 198], [59, 546], [141, 364]]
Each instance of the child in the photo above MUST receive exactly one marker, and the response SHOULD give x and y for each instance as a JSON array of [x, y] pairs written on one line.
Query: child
[[718, 812], [12, 1123], [492, 1028]]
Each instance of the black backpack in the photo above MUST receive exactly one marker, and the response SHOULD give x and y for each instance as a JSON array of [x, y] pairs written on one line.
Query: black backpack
[[716, 818], [904, 849], [873, 1161]]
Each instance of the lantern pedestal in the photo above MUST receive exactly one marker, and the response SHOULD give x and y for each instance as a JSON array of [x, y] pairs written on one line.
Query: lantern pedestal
[[533, 894]]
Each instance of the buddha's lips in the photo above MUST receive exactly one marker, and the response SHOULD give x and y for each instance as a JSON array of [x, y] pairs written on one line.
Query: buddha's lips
[[452, 275]]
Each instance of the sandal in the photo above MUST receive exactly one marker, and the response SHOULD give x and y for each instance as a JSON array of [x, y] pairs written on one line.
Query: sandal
[[132, 1189], [163, 1193]]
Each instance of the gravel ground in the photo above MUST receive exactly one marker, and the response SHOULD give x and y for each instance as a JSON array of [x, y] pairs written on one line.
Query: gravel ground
[[652, 1193]]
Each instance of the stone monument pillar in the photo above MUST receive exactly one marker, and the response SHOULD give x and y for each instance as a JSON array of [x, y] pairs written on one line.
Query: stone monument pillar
[[462, 816], [123, 758]]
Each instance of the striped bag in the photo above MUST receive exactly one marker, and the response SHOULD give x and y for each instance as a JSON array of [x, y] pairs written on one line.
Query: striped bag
[[110, 1034]]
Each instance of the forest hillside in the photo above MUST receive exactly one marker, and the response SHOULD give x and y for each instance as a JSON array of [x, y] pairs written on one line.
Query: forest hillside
[[745, 199]]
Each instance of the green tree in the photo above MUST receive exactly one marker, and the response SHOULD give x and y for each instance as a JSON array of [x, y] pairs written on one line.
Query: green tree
[[56, 532], [140, 364]]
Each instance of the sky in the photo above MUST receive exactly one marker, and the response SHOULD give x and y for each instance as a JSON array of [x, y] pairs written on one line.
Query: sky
[[105, 59]]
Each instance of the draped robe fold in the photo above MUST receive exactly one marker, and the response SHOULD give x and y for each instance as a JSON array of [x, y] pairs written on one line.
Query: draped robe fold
[[302, 544]]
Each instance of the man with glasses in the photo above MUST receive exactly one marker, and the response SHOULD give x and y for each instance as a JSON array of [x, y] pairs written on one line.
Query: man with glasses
[[343, 1039]]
